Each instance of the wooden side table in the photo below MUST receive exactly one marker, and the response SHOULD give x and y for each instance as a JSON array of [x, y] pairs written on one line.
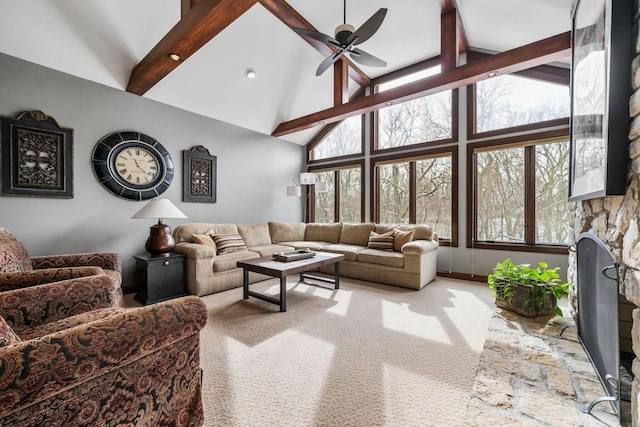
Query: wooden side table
[[159, 278]]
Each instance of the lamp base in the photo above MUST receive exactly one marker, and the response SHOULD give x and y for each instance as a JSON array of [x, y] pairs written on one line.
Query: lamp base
[[160, 241]]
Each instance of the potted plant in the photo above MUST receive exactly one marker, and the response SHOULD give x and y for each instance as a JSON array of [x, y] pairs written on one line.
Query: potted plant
[[530, 292]]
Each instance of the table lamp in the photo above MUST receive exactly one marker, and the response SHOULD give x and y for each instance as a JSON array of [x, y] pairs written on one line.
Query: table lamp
[[160, 241]]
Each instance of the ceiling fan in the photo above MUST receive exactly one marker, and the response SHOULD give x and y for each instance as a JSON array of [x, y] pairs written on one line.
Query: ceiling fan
[[346, 38]]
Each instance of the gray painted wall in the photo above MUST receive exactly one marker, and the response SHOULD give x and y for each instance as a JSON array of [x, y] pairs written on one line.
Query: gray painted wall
[[253, 169]]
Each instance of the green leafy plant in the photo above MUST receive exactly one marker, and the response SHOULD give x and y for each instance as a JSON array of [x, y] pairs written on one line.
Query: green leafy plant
[[544, 280]]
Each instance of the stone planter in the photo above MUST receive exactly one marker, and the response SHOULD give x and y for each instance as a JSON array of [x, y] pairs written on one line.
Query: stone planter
[[522, 301]]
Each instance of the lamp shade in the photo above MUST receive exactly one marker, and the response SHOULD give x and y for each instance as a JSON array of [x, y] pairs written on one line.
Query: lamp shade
[[159, 208], [160, 241], [307, 178], [294, 190]]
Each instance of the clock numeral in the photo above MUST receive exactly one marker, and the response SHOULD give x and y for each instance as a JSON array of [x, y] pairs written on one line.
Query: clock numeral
[[120, 164], [137, 152], [129, 153], [138, 179], [123, 171], [152, 167], [129, 177]]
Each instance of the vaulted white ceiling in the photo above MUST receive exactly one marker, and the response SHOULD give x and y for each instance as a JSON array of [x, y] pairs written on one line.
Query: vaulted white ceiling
[[102, 41]]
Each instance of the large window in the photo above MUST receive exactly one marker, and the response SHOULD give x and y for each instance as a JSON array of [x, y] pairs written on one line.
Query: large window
[[519, 194], [345, 139], [419, 190], [510, 101], [419, 121], [343, 200]]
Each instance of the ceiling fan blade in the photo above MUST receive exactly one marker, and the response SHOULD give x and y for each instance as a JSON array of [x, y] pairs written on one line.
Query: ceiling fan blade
[[364, 58], [328, 61], [369, 28], [316, 35]]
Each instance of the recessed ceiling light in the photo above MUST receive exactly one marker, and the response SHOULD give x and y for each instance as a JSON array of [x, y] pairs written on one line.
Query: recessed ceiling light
[[250, 73], [175, 57], [492, 74]]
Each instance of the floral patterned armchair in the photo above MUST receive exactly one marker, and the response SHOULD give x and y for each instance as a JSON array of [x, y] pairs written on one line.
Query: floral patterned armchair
[[69, 355], [19, 270]]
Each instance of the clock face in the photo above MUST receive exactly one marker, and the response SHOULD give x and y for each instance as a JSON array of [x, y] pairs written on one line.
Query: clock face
[[132, 165], [137, 165]]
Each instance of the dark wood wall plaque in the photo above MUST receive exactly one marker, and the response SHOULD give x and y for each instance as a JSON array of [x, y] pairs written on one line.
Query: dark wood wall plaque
[[199, 180], [36, 156]]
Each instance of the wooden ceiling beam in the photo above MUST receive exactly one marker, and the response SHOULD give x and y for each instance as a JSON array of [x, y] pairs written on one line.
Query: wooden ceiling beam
[[340, 83], [448, 6], [291, 18], [449, 45], [186, 6], [521, 58], [205, 20]]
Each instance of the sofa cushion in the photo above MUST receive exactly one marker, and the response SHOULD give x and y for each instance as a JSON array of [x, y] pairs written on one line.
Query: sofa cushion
[[13, 254], [401, 237], [286, 231], [356, 234], [301, 244], [227, 243], [268, 250], [323, 232], [204, 239], [7, 336], [350, 252], [255, 234], [183, 232], [228, 261], [383, 242], [375, 256]]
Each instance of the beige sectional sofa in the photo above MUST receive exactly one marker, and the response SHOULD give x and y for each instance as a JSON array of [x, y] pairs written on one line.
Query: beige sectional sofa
[[207, 270]]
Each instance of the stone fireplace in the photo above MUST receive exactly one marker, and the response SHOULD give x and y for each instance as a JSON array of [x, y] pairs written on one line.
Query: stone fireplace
[[616, 221]]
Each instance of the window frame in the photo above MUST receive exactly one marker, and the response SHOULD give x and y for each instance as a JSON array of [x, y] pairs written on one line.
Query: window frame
[[453, 150], [335, 167], [528, 141], [324, 132], [545, 73], [394, 75]]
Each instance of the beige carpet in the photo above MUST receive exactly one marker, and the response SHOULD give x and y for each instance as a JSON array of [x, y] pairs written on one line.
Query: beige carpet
[[364, 355]]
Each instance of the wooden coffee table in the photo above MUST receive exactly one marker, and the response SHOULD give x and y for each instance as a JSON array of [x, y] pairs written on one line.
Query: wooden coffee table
[[273, 268]]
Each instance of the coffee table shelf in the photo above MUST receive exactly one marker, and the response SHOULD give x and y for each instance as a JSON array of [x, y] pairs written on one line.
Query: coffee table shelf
[[278, 269]]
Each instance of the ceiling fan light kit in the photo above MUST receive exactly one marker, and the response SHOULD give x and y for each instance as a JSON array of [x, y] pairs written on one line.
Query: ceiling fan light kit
[[346, 38]]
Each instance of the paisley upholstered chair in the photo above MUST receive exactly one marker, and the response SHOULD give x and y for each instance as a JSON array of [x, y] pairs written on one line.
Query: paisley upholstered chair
[[69, 356], [19, 270]]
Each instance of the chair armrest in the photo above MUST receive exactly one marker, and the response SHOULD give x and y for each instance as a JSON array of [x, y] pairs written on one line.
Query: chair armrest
[[36, 305], [419, 247], [24, 279], [195, 250], [71, 357], [105, 260]]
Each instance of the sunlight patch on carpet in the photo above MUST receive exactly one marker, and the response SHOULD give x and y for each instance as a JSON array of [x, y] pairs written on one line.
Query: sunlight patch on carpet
[[399, 317]]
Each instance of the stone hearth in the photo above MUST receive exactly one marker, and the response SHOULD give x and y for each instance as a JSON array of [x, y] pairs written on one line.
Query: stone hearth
[[532, 373]]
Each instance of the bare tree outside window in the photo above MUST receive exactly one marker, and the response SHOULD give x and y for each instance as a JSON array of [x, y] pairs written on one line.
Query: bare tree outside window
[[414, 122], [434, 190], [552, 208], [393, 193], [345, 139], [500, 195], [325, 201]]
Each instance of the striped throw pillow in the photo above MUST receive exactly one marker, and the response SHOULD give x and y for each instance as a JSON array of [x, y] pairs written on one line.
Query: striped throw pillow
[[228, 243], [383, 242]]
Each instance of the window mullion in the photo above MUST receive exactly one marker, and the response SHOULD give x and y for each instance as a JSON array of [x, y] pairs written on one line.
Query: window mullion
[[413, 191], [529, 194], [336, 204]]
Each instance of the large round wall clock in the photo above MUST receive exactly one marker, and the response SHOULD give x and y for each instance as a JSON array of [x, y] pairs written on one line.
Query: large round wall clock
[[132, 165]]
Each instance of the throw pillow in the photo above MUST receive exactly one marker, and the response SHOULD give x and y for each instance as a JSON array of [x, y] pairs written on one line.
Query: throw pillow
[[228, 243], [204, 239], [400, 238], [7, 336], [383, 242]]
